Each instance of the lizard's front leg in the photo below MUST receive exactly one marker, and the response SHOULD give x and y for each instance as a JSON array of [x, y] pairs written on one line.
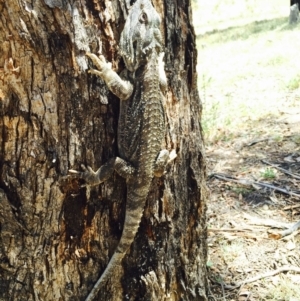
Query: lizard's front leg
[[121, 88]]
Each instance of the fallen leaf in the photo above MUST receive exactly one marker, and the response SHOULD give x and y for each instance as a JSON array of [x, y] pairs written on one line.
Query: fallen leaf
[[289, 159], [265, 207], [274, 236], [273, 199], [290, 245], [245, 293], [295, 278], [275, 280]]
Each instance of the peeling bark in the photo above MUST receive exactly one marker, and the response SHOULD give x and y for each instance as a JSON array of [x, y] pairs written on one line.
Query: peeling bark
[[56, 238]]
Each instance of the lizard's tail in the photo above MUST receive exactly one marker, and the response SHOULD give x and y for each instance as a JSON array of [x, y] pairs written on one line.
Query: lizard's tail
[[134, 212]]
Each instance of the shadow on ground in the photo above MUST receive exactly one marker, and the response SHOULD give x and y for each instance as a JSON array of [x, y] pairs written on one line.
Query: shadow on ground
[[244, 221], [230, 31]]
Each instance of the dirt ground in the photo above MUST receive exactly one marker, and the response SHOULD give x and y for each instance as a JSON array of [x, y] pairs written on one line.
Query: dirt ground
[[249, 80]]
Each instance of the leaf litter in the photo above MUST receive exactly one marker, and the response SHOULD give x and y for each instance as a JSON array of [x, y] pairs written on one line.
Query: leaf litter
[[253, 159]]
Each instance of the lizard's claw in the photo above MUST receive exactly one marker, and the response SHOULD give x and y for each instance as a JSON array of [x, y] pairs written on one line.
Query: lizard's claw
[[96, 72], [88, 175], [99, 62]]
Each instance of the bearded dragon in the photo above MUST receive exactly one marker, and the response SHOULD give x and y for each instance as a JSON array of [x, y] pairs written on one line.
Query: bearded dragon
[[141, 123]]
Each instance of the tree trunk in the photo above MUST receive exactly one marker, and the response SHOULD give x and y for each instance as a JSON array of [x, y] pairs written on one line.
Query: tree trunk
[[292, 2], [56, 238]]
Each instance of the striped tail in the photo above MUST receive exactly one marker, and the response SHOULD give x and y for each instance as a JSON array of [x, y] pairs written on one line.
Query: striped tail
[[134, 212]]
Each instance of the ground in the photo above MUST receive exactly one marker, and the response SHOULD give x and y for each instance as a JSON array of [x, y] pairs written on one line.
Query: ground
[[249, 82]]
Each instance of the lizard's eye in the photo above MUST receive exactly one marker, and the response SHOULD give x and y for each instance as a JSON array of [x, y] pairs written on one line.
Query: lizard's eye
[[143, 18]]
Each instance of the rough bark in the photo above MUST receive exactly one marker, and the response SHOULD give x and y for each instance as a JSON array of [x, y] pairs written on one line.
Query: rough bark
[[292, 2], [294, 13], [55, 237]]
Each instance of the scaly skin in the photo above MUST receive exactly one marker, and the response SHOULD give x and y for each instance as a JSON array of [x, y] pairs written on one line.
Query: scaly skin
[[141, 122], [140, 136]]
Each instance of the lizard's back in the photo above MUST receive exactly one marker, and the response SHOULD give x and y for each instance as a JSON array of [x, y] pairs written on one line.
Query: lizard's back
[[141, 123]]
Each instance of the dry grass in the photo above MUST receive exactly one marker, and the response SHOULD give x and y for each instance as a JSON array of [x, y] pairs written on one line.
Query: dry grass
[[216, 14], [249, 83], [247, 73]]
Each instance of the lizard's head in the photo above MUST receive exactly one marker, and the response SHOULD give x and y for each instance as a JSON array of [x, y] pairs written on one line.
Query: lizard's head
[[141, 34]]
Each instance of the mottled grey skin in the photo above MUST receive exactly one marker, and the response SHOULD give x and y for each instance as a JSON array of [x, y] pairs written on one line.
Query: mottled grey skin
[[141, 123]]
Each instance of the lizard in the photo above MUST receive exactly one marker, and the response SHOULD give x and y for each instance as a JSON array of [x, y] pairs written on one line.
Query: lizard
[[141, 123]]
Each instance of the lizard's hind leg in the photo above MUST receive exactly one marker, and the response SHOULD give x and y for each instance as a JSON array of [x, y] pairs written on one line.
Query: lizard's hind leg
[[93, 178], [124, 168], [161, 163]]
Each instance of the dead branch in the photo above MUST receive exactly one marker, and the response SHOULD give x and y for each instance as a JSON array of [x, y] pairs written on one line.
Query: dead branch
[[289, 231], [268, 274], [251, 183], [291, 207], [296, 176], [233, 230], [253, 142], [284, 233], [225, 230], [211, 293], [266, 222]]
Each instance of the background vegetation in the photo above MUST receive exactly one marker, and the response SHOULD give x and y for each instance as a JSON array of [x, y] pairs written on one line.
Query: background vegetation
[[249, 81], [247, 62]]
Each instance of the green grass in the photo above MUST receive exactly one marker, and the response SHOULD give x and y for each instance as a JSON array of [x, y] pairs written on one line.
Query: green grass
[[241, 190], [296, 139], [232, 251], [268, 173], [294, 82]]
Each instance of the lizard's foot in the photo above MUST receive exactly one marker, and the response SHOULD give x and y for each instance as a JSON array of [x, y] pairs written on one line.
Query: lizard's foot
[[93, 178], [161, 162], [121, 88], [88, 175], [163, 159], [100, 63], [172, 156]]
